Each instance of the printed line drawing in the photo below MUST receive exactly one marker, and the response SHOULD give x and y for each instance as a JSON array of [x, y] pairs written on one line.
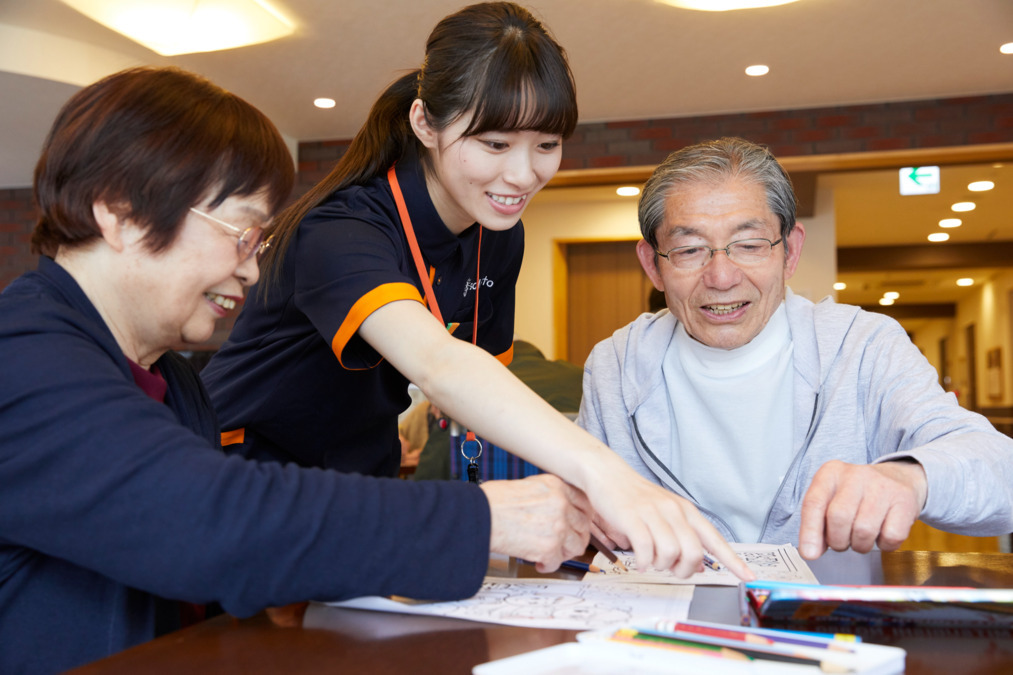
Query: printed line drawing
[[516, 602], [548, 603], [769, 562]]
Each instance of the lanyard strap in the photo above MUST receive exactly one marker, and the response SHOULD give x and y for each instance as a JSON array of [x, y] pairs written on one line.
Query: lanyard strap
[[427, 286], [413, 244], [420, 266]]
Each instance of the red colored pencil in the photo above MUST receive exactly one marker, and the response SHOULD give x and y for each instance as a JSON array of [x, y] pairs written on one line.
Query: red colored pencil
[[750, 638]]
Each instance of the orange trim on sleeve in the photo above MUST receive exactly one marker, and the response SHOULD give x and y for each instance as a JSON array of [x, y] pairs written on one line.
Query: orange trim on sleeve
[[507, 357], [366, 305], [234, 436]]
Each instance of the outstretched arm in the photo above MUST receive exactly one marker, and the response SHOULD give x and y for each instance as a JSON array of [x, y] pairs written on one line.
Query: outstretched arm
[[471, 386]]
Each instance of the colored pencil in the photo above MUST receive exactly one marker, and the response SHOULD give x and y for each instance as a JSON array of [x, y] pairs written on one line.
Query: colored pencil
[[762, 652], [681, 629], [572, 564], [636, 637], [712, 562], [607, 552], [578, 565]]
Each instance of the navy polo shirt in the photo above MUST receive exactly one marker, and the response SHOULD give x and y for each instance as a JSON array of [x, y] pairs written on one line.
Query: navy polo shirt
[[295, 382]]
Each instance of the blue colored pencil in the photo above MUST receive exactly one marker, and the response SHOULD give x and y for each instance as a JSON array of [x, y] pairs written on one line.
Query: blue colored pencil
[[577, 565], [572, 564]]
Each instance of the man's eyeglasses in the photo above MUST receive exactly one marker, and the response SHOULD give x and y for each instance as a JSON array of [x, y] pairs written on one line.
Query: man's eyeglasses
[[251, 240], [742, 252]]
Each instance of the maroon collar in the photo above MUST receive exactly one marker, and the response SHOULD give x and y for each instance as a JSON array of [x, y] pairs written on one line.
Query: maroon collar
[[151, 382]]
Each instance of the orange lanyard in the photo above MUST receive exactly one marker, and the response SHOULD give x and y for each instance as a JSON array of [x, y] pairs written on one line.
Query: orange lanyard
[[427, 286], [420, 266]]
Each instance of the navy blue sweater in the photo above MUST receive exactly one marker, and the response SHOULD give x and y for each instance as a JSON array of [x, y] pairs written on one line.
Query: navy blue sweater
[[110, 501]]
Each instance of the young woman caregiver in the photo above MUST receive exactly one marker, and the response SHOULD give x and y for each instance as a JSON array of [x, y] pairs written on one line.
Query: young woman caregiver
[[400, 266]]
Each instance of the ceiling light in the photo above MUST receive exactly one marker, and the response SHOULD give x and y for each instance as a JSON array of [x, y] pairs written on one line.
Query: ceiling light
[[963, 206], [171, 27], [723, 5], [324, 102], [950, 222], [965, 282], [1007, 48], [886, 301], [938, 236], [892, 295], [981, 186], [757, 70], [840, 286], [628, 191]]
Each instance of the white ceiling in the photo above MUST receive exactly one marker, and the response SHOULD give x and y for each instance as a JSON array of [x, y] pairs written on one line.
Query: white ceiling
[[915, 287], [873, 213], [631, 59]]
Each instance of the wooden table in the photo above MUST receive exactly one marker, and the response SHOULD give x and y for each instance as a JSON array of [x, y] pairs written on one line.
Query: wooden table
[[327, 639]]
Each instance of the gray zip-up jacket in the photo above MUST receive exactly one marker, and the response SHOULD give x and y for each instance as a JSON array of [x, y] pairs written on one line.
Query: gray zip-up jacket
[[863, 393]]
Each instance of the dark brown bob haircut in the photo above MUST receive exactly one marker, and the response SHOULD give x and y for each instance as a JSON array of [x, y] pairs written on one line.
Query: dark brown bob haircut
[[151, 143]]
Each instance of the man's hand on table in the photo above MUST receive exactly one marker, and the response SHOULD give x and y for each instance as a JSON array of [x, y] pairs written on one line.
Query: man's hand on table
[[859, 506]]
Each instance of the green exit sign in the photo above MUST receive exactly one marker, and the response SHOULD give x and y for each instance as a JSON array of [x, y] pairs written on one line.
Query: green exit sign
[[919, 180]]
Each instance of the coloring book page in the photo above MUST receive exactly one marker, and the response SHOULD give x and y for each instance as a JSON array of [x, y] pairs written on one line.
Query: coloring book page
[[770, 562], [547, 603]]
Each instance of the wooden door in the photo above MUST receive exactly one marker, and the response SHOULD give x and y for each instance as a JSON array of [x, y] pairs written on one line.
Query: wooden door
[[605, 290], [971, 400]]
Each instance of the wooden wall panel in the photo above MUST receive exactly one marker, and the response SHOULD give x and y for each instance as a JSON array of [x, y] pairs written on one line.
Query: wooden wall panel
[[605, 290], [926, 538]]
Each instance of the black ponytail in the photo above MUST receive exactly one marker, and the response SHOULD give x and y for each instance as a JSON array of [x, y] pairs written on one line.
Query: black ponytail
[[379, 143], [493, 59]]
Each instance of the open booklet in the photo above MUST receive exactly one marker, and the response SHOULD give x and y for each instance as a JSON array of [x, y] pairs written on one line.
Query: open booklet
[[545, 603], [773, 562], [601, 599]]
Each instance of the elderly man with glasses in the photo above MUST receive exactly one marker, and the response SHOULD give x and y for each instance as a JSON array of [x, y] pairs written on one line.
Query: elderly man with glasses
[[780, 419]]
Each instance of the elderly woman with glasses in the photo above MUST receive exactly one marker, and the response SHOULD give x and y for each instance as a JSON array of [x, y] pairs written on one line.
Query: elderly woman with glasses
[[117, 507]]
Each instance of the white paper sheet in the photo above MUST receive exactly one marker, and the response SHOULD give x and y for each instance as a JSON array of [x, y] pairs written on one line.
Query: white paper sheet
[[548, 603], [770, 562]]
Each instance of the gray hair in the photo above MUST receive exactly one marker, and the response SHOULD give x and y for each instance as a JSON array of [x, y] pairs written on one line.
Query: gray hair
[[714, 162]]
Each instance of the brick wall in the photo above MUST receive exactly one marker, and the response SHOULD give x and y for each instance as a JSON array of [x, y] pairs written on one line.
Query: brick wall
[[17, 217], [316, 159], [816, 131]]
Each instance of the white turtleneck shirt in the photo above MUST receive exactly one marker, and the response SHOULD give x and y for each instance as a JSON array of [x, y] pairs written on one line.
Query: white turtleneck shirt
[[732, 412]]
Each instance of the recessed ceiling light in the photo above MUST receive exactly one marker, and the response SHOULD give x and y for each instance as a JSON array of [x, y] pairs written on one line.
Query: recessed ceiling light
[[757, 70], [723, 5], [840, 286], [886, 301], [628, 191], [962, 206], [965, 282], [938, 236], [171, 27], [950, 222], [1007, 48], [981, 186], [893, 295], [324, 102]]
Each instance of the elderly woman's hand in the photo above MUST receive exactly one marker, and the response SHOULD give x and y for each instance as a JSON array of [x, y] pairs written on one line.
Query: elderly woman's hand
[[539, 518]]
